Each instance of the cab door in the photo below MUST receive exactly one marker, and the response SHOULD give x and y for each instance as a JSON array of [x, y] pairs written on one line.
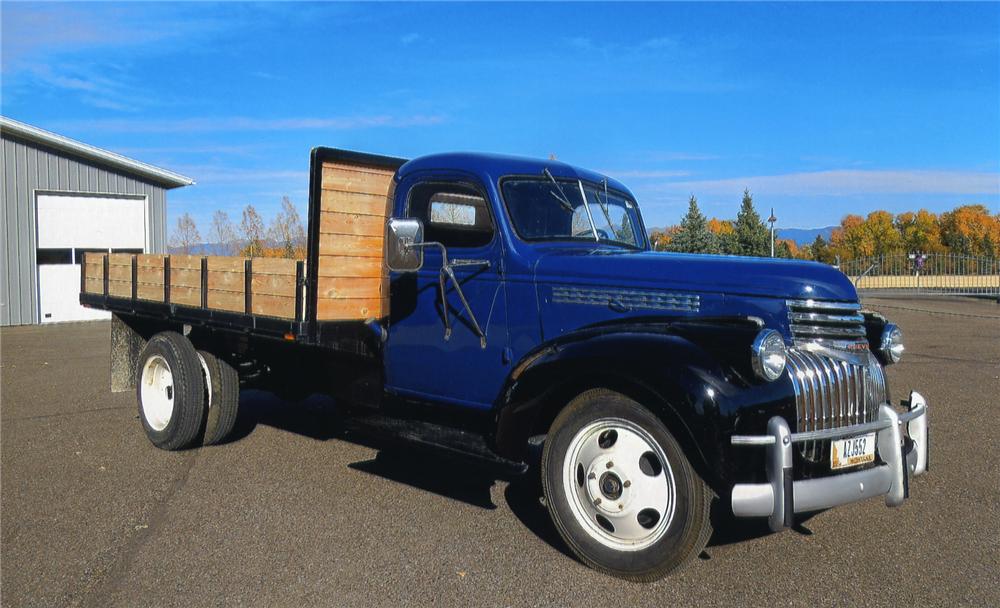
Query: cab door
[[423, 359]]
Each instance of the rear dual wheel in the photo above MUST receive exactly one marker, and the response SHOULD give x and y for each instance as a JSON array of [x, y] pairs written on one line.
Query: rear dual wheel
[[621, 491], [184, 395]]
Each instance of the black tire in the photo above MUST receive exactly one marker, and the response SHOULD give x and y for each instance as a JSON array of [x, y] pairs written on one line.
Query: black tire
[[222, 398], [679, 540], [175, 427]]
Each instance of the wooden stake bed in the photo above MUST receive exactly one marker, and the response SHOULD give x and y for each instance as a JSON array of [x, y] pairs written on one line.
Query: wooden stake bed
[[343, 279]]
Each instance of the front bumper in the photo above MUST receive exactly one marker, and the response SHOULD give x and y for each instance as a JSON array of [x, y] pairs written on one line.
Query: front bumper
[[781, 497]]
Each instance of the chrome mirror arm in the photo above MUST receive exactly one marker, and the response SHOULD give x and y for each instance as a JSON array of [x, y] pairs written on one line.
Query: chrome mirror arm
[[447, 272]]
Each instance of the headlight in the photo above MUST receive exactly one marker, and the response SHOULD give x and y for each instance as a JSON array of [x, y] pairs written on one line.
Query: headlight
[[768, 355], [891, 346]]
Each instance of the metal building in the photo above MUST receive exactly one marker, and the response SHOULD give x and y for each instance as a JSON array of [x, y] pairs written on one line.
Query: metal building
[[61, 198]]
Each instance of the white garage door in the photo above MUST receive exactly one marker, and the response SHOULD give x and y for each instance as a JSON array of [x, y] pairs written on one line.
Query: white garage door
[[68, 226]]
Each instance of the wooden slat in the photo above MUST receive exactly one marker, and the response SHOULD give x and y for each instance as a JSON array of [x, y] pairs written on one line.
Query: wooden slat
[[280, 266], [146, 291], [352, 180], [274, 306], [120, 272], [95, 285], [351, 309], [187, 296], [185, 262], [121, 289], [226, 300], [359, 168], [146, 274], [359, 246], [181, 277], [271, 284], [339, 287], [225, 264], [350, 266], [94, 271], [120, 259], [225, 281], [331, 222], [149, 260], [355, 202]]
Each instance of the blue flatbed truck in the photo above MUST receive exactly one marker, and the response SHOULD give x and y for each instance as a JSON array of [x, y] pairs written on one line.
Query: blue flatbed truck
[[486, 305]]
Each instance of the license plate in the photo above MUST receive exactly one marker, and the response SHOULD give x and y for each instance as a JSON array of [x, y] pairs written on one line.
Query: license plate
[[852, 451]]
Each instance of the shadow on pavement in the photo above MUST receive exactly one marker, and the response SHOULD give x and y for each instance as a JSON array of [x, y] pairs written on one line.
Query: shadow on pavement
[[318, 418]]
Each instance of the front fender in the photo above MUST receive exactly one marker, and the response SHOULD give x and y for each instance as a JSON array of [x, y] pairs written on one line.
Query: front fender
[[685, 373]]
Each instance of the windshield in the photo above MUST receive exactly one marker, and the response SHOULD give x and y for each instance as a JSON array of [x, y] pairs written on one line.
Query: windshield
[[543, 208]]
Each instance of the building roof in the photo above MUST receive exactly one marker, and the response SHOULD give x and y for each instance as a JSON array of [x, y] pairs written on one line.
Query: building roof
[[128, 165]]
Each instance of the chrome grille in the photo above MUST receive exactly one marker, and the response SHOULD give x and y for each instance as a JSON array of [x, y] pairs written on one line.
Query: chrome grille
[[829, 323], [832, 392]]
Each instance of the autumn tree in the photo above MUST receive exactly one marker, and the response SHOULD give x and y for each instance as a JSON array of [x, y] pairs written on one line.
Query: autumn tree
[[185, 235], [252, 233], [223, 233], [752, 236], [287, 231], [693, 235], [971, 230], [660, 239], [919, 231], [725, 235]]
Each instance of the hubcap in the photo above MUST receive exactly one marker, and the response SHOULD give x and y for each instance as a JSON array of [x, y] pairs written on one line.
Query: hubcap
[[157, 392], [619, 484]]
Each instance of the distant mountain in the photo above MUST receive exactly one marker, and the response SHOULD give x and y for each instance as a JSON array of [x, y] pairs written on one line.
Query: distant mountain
[[804, 236]]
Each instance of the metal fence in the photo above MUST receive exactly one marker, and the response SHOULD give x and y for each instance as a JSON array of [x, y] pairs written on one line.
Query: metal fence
[[936, 273]]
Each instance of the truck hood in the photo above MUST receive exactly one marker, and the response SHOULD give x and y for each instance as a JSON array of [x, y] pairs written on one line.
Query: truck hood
[[701, 274]]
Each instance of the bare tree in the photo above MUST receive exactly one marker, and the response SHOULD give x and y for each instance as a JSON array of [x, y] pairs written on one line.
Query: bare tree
[[185, 235], [252, 229], [223, 233], [287, 230]]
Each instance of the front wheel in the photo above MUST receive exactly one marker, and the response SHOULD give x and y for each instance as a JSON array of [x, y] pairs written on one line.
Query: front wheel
[[620, 490]]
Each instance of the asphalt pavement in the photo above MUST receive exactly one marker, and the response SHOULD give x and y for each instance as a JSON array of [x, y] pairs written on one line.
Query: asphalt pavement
[[293, 513]]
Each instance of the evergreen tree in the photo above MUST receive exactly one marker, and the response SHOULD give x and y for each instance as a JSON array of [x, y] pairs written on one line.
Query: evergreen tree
[[820, 250], [694, 235], [752, 235]]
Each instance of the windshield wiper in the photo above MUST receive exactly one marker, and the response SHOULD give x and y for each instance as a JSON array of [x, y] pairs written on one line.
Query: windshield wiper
[[604, 206], [561, 197]]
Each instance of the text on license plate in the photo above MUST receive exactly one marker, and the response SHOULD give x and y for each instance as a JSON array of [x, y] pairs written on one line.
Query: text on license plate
[[852, 451]]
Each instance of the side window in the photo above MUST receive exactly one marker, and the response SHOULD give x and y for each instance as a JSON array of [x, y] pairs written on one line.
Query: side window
[[453, 214]]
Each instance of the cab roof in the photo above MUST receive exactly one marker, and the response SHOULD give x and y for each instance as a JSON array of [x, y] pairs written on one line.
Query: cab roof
[[491, 167]]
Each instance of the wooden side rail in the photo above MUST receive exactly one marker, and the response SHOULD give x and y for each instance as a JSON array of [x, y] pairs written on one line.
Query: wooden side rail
[[269, 287]]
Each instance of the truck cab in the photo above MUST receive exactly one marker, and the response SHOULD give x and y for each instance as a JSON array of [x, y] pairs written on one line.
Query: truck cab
[[491, 305]]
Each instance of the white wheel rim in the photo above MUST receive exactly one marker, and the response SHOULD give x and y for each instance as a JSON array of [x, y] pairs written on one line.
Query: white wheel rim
[[208, 381], [157, 392], [619, 484]]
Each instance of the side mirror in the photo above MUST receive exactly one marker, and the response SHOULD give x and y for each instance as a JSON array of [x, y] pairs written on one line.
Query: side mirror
[[404, 237]]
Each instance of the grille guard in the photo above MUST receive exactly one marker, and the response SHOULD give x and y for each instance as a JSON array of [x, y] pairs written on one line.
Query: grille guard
[[781, 497]]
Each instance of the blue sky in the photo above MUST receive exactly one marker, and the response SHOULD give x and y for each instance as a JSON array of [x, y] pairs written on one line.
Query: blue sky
[[820, 109]]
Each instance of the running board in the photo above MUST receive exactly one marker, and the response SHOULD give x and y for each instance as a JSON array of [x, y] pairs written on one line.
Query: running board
[[438, 438]]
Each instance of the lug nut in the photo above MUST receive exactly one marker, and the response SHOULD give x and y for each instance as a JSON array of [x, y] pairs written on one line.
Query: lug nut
[[597, 501], [610, 464], [627, 483], [592, 475], [620, 507]]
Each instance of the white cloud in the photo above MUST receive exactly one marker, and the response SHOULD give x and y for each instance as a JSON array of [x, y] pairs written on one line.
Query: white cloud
[[848, 182], [236, 123], [653, 174]]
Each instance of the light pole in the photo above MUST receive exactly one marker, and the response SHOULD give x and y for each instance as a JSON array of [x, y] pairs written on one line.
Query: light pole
[[771, 220]]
